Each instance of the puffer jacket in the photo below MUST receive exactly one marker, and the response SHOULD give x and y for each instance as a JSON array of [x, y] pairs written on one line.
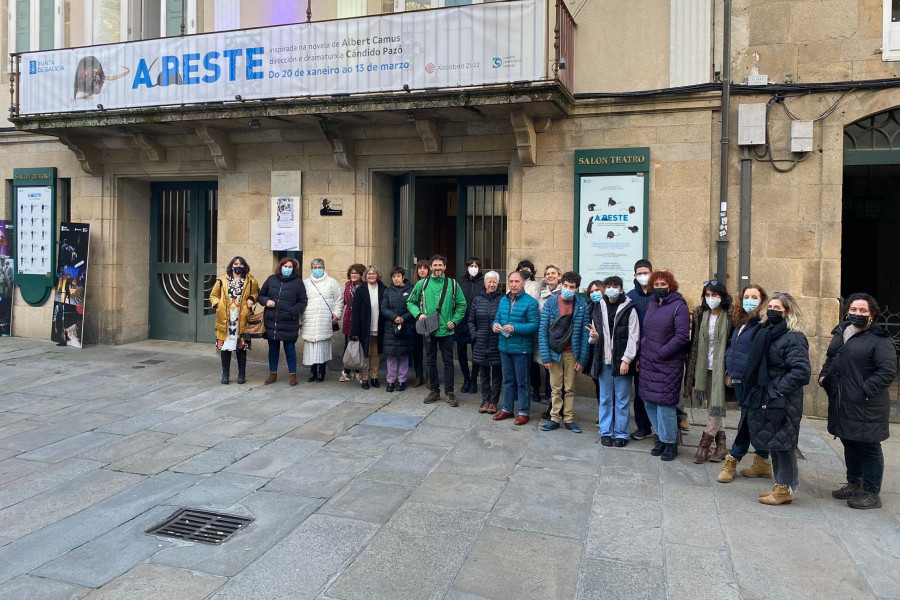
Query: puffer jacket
[[580, 338], [325, 300], [776, 424], [361, 316], [289, 294], [857, 375], [470, 287], [523, 315], [218, 298], [664, 343], [736, 354], [398, 342], [485, 343], [625, 337]]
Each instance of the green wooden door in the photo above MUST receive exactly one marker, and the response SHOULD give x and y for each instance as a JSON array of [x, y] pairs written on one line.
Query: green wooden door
[[183, 261], [481, 222]]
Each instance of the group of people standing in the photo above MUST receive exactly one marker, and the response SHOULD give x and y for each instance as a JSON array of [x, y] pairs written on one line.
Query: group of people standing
[[646, 344]]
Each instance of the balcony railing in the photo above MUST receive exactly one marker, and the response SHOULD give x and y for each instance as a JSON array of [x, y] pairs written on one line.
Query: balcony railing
[[514, 42]]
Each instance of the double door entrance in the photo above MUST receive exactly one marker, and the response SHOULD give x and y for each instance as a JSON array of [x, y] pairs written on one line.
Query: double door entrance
[[183, 238]]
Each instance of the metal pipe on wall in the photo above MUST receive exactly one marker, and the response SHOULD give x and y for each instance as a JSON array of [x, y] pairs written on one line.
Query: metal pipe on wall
[[722, 240], [744, 243]]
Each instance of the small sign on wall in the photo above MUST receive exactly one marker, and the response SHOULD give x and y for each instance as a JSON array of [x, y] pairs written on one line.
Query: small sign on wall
[[286, 211], [331, 207]]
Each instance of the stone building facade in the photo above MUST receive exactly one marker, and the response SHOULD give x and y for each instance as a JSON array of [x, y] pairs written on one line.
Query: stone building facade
[[639, 79]]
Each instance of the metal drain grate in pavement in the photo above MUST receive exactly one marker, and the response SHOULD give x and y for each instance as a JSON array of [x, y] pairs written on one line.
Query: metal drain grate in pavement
[[200, 526]]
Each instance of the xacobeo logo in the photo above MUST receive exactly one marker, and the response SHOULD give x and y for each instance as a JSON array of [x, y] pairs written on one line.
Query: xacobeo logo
[[429, 68], [498, 62]]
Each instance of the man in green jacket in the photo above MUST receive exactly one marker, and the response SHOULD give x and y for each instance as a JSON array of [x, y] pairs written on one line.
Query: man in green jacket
[[424, 301]]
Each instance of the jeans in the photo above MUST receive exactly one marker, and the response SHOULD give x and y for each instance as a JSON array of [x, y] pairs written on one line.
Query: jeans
[[741, 444], [397, 369], [641, 420], [865, 464], [445, 345], [784, 465], [515, 382], [663, 420], [562, 388], [491, 380], [615, 393], [290, 354], [462, 355]]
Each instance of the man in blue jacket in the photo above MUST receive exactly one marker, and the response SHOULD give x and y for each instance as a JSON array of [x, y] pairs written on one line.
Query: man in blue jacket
[[516, 322], [563, 341]]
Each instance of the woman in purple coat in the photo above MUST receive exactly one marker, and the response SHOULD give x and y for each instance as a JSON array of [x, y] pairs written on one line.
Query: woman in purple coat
[[665, 338]]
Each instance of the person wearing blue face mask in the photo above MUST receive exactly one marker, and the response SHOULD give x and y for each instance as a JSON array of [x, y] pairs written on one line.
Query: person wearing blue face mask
[[745, 319], [563, 343], [615, 333], [323, 310], [284, 296], [594, 293]]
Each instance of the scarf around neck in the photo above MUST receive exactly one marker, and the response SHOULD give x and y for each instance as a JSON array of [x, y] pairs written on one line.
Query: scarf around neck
[[720, 340]]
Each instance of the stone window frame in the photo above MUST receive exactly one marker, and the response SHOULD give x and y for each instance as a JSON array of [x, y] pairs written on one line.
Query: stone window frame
[[35, 25]]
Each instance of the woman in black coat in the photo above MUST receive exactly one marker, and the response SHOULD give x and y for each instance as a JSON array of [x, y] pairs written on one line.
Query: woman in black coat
[[777, 368], [399, 329], [367, 324], [471, 285], [284, 296], [485, 353], [860, 365]]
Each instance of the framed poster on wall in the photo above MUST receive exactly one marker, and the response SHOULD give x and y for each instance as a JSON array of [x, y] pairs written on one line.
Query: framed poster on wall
[[34, 215], [611, 198]]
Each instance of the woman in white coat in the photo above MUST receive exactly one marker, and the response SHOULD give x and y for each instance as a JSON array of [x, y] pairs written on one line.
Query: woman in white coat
[[325, 307]]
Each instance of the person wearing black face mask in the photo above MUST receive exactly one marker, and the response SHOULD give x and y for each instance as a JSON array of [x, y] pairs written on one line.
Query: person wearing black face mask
[[859, 367], [233, 295], [777, 368]]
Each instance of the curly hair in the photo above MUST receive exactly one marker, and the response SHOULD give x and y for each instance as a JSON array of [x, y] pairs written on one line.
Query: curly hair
[[664, 275], [874, 309], [356, 268], [739, 316]]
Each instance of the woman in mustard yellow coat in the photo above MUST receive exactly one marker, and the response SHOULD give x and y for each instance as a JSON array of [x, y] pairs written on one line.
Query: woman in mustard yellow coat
[[233, 295]]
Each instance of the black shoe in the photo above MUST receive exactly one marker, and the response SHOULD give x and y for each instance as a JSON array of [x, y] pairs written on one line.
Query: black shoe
[[670, 452], [365, 384], [620, 442], [606, 440], [573, 427], [225, 376], [312, 373], [375, 383], [536, 397], [242, 377], [473, 388], [464, 389], [850, 490], [658, 449], [865, 501], [546, 414], [639, 434], [401, 386], [320, 374], [389, 387]]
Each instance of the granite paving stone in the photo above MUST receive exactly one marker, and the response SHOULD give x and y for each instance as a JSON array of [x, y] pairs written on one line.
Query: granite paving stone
[[546, 501], [416, 555], [563, 450], [333, 422], [159, 582], [54, 432], [616, 523], [70, 447], [487, 452], [693, 572], [461, 417], [690, 517], [273, 458], [45, 479], [367, 500], [218, 491], [325, 543], [410, 403], [210, 434], [26, 587], [683, 471], [19, 427], [366, 440], [144, 420], [460, 491], [384, 419], [630, 475], [405, 463], [274, 428], [276, 516], [156, 459], [12, 469], [219, 456], [103, 559], [125, 446], [611, 580], [426, 435], [320, 475], [185, 422], [496, 566]]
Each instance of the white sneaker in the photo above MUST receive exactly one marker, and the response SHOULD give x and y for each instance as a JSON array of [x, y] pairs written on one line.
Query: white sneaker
[[344, 377]]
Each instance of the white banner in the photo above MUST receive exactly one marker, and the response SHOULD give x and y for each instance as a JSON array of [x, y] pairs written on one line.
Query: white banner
[[492, 43]]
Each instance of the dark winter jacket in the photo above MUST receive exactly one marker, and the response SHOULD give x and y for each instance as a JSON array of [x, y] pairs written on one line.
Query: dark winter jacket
[[289, 294], [641, 300], [664, 342], [524, 316], [736, 354], [397, 342], [625, 335], [691, 365], [361, 316], [581, 318], [485, 343], [470, 287], [857, 376], [775, 425]]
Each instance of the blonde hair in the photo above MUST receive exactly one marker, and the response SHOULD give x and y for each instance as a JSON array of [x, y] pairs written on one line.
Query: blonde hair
[[370, 269], [552, 266], [791, 312]]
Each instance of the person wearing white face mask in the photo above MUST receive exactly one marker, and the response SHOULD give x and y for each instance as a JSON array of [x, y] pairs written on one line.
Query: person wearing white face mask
[[470, 285], [704, 378], [641, 295]]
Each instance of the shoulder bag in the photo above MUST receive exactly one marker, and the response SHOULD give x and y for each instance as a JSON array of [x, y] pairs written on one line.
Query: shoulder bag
[[431, 322]]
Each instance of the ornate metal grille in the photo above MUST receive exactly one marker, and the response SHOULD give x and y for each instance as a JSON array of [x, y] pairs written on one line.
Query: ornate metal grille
[[878, 132]]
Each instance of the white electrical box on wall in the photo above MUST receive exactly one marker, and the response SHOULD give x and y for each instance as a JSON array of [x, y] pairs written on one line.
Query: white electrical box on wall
[[751, 124], [801, 136]]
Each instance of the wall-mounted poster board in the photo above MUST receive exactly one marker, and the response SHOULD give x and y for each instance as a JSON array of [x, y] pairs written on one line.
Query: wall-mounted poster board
[[68, 300], [612, 191], [34, 215], [286, 211]]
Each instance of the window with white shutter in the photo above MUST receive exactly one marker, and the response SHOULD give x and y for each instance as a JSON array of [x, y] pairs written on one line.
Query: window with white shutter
[[891, 43]]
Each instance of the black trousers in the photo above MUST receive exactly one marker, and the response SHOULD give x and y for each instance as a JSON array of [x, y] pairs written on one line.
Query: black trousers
[[491, 382], [865, 464], [418, 355], [445, 345], [462, 355]]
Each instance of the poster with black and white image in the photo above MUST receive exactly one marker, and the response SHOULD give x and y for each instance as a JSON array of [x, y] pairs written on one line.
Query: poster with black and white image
[[611, 225], [35, 226], [285, 223], [69, 295]]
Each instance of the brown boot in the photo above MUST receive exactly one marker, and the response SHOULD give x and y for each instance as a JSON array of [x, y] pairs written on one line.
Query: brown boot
[[721, 451], [766, 493], [492, 408], [759, 468], [293, 379], [271, 378], [706, 441], [780, 494], [729, 470], [417, 382]]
